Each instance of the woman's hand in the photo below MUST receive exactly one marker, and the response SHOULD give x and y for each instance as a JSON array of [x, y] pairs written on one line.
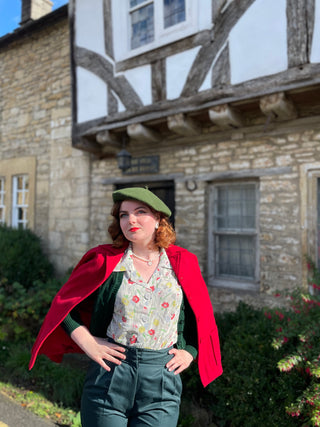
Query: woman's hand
[[98, 349], [181, 360]]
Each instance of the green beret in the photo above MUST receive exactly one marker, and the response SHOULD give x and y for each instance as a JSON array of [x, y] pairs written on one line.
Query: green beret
[[142, 195]]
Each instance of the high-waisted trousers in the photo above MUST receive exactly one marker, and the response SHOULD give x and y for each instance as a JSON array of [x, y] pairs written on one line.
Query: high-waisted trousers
[[139, 392]]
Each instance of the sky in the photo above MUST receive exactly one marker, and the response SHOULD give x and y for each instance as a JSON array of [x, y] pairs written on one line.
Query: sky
[[10, 14]]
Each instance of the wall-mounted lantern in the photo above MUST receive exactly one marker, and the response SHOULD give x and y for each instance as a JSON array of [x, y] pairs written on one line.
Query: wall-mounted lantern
[[136, 165]]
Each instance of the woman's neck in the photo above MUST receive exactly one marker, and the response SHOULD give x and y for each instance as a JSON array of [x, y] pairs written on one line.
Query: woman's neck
[[144, 250]]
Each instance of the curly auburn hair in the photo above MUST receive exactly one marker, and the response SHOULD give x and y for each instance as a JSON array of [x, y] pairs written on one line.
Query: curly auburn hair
[[164, 235]]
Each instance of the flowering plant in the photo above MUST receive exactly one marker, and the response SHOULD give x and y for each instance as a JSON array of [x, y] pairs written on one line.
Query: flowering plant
[[297, 333]]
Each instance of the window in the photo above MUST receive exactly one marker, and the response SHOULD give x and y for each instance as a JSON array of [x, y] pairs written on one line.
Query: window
[[20, 199], [149, 24], [2, 205], [233, 235], [17, 192], [143, 23]]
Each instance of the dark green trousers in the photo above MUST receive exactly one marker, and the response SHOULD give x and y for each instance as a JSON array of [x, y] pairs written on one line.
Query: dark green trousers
[[139, 392]]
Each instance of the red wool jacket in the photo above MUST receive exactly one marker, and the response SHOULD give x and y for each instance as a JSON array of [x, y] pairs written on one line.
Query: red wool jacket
[[93, 270]]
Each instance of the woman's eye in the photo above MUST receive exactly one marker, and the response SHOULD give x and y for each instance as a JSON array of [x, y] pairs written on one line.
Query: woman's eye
[[141, 211], [122, 215]]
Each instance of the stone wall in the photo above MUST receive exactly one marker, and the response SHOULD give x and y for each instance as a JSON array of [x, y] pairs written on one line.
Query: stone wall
[[281, 248], [36, 122]]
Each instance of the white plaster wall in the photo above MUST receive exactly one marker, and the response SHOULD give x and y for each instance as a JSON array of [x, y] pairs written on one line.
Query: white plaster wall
[[140, 80], [89, 25], [258, 43], [91, 96], [204, 14], [315, 49], [177, 69]]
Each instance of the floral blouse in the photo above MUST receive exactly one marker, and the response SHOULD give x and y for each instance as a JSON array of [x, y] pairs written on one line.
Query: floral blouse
[[146, 314]]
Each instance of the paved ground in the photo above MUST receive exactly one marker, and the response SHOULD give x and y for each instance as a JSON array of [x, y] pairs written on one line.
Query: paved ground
[[14, 415]]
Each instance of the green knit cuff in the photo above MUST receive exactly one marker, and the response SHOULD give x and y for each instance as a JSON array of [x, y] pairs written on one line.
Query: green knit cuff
[[192, 350], [69, 324]]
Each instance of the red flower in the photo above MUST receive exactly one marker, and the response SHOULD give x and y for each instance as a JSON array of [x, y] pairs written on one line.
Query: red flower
[[135, 299], [133, 339], [172, 317], [124, 319], [151, 332], [152, 288], [165, 305], [130, 281]]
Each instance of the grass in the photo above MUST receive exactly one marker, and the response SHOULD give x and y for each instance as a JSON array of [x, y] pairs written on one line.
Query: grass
[[50, 390], [41, 406]]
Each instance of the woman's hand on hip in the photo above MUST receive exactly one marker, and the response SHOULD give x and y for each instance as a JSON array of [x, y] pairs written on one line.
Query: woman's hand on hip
[[98, 349], [181, 360]]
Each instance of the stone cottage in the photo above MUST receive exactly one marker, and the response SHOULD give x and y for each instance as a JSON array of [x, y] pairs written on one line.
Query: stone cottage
[[213, 104]]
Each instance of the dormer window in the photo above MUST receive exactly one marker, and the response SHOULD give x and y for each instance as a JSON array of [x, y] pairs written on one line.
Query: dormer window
[[149, 19], [154, 23]]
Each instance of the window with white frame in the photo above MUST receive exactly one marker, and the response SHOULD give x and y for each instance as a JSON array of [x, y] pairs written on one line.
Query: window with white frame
[[145, 22], [233, 238], [149, 24], [2, 202], [20, 201]]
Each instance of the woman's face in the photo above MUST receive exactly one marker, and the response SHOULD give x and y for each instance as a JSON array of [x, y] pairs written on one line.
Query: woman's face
[[137, 222]]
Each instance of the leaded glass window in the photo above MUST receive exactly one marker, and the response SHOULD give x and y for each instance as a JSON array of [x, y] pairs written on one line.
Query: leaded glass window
[[149, 19], [142, 22], [234, 231], [174, 12]]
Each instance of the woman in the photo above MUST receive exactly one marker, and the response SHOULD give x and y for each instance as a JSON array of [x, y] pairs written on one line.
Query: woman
[[140, 310]]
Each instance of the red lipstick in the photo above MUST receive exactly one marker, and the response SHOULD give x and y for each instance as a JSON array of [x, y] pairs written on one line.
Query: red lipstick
[[133, 229]]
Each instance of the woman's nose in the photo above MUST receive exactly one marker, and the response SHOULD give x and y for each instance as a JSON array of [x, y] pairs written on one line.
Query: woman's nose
[[132, 218]]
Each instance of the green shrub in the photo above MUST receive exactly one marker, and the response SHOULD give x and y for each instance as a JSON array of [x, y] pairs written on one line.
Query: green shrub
[[251, 392], [23, 310], [60, 383], [21, 257], [297, 335]]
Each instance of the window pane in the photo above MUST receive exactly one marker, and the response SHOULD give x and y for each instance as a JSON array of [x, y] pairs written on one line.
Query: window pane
[[20, 182], [20, 198], [235, 256], [174, 12], [26, 198], [20, 214], [142, 26], [26, 182], [236, 207]]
